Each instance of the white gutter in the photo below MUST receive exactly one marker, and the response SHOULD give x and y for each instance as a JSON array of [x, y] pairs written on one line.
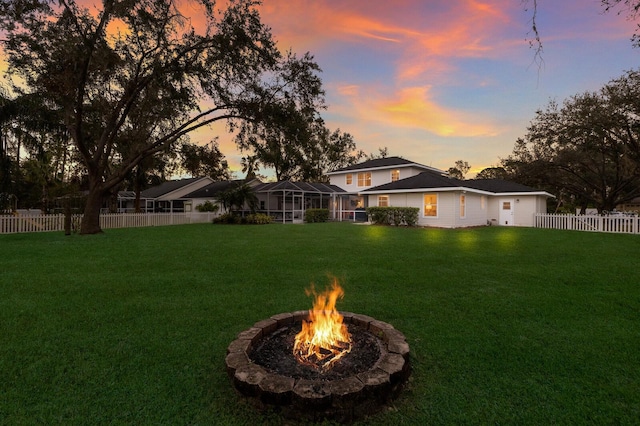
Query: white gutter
[[457, 189], [444, 189]]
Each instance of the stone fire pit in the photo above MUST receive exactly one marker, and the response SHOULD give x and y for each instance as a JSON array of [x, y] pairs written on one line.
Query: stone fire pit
[[354, 390]]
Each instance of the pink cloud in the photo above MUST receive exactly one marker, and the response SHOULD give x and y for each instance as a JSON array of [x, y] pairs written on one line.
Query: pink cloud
[[411, 108]]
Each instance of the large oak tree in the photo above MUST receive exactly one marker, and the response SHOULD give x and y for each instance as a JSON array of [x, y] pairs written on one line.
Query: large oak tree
[[131, 78], [587, 149]]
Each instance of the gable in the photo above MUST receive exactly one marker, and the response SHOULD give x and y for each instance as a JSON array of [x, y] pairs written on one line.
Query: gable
[[383, 163], [175, 189]]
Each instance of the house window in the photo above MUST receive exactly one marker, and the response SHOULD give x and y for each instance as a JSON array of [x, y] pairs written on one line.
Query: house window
[[483, 200], [364, 179], [349, 179], [395, 175], [383, 201], [462, 206], [430, 208]]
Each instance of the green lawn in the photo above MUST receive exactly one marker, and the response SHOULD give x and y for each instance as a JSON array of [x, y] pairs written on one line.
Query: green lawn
[[506, 325]]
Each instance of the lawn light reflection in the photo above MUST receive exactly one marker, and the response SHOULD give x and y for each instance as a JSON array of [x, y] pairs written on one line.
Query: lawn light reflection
[[506, 239], [433, 235], [468, 240], [376, 233]]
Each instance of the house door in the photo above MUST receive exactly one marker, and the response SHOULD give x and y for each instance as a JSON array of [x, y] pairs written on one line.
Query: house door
[[506, 212]]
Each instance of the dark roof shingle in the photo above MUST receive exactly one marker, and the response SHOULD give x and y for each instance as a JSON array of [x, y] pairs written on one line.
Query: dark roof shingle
[[498, 186], [422, 180], [166, 187], [381, 163], [431, 180], [213, 189]]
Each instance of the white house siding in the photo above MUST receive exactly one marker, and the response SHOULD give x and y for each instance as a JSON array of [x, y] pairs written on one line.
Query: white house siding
[[493, 210], [447, 211], [448, 208], [529, 206], [524, 208], [524, 212], [378, 177], [475, 212]]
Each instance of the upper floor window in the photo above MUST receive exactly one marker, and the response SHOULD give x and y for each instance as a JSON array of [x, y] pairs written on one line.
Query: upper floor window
[[349, 179], [430, 208], [383, 201], [364, 179], [395, 175]]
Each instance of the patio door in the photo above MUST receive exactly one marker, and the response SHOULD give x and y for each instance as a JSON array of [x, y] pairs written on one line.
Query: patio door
[[506, 211]]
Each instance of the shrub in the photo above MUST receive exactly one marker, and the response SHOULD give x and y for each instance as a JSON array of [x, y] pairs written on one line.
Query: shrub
[[227, 218], [411, 216], [207, 206], [378, 215], [394, 215], [316, 215], [235, 219], [258, 219]]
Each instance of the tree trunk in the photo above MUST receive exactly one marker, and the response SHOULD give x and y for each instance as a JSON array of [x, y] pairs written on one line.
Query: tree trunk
[[91, 216], [137, 187], [67, 216]]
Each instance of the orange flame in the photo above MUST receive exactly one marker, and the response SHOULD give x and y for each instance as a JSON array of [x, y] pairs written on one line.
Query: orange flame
[[324, 339]]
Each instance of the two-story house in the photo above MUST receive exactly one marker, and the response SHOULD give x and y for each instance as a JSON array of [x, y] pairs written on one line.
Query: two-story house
[[443, 201]]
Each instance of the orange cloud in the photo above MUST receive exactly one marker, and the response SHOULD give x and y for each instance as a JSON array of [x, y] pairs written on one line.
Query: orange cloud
[[412, 108]]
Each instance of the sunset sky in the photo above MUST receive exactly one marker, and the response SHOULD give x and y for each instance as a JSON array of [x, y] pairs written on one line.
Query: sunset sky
[[444, 80], [437, 81]]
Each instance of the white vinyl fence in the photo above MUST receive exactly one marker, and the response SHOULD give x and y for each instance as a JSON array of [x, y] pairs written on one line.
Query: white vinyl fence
[[43, 223], [620, 224]]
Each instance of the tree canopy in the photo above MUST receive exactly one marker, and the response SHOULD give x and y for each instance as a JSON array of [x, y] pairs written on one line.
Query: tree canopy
[[587, 150], [459, 170], [132, 78]]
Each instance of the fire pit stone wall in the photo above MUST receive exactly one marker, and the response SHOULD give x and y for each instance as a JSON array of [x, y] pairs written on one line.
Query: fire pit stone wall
[[344, 399]]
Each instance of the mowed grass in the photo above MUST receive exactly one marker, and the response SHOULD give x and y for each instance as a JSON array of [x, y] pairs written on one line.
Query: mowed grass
[[505, 325]]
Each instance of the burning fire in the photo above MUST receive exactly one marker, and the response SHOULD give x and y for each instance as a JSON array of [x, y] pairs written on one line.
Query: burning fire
[[324, 339]]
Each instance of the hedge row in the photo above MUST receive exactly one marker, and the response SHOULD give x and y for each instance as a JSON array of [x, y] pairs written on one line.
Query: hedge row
[[316, 215], [394, 215], [250, 219]]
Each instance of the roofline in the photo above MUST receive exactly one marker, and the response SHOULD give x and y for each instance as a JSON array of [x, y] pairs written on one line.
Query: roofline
[[395, 166], [454, 189], [516, 194], [437, 189]]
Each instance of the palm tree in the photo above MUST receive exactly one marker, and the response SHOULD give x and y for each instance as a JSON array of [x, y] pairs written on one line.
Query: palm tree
[[237, 197]]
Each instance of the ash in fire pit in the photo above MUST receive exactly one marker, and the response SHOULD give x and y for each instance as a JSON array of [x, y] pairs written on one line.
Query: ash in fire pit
[[320, 364], [274, 353]]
